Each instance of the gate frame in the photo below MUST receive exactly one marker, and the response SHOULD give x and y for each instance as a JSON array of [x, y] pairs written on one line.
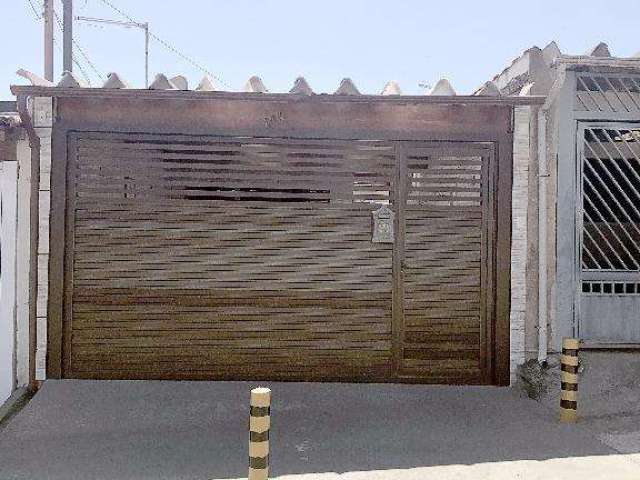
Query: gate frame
[[581, 127], [128, 118]]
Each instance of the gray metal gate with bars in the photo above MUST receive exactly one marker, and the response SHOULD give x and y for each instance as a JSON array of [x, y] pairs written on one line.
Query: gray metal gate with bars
[[610, 232]]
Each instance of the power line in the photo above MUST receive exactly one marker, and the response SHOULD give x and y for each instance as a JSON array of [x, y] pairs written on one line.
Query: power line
[[37, 13], [39, 17], [74, 58], [81, 50], [76, 62], [168, 46]]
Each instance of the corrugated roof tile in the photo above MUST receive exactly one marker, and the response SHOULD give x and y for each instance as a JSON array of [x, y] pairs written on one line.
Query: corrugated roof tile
[[161, 82], [443, 87], [391, 88], [301, 86], [600, 50], [180, 82], [206, 85], [489, 89], [114, 81], [255, 85], [70, 80], [347, 87]]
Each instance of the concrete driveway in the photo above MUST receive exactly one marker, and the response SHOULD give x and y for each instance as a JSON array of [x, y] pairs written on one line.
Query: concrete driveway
[[199, 430]]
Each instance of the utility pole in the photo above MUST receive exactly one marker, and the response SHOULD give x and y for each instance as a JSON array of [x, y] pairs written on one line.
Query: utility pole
[[67, 41], [48, 40]]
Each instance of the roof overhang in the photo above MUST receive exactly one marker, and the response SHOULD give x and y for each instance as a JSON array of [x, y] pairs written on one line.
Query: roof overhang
[[190, 95]]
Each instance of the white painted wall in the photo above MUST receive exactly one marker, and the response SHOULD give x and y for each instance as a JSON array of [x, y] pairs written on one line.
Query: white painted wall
[[23, 264], [8, 222]]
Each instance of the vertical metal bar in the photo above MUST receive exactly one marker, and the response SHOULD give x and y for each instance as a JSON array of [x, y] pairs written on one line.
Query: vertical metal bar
[[146, 55], [48, 40], [398, 260], [67, 40]]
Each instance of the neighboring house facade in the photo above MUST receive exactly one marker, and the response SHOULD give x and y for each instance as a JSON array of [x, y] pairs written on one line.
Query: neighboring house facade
[[14, 240], [231, 235], [588, 196]]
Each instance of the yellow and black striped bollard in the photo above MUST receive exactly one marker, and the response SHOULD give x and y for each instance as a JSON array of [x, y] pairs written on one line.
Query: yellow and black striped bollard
[[569, 380], [259, 424]]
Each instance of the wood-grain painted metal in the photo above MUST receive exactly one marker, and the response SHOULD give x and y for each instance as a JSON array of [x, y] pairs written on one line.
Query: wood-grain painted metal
[[237, 246]]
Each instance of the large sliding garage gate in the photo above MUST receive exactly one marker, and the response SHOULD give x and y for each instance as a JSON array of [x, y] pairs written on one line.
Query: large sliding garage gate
[[214, 246]]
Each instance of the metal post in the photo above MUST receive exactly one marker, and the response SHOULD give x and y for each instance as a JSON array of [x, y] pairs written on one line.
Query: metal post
[[569, 380], [143, 26], [146, 55], [48, 40], [67, 41], [259, 424]]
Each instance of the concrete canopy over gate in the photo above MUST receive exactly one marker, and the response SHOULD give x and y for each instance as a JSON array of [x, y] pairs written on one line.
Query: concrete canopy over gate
[[431, 306]]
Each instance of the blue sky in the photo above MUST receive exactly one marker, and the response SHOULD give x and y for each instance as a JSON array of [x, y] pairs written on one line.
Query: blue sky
[[371, 41]]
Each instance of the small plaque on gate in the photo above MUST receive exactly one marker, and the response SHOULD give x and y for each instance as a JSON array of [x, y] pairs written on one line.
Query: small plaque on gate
[[383, 225]]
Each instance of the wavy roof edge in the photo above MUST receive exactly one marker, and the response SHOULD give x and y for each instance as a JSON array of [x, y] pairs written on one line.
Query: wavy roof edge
[[531, 72], [255, 84]]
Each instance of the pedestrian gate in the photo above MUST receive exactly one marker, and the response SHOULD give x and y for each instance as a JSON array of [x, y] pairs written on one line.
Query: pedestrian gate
[[610, 226]]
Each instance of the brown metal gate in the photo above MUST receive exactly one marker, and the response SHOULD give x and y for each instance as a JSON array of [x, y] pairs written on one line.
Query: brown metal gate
[[446, 256], [211, 256]]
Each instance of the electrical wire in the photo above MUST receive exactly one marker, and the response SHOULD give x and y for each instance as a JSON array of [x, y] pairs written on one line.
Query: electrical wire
[[75, 62], [168, 46], [81, 50], [37, 13], [40, 17], [74, 58]]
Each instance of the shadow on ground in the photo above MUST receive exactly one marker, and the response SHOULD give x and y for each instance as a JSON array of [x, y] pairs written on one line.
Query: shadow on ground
[[197, 430]]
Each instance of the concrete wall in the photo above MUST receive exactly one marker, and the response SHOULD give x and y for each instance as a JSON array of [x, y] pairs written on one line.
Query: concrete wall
[[23, 264], [42, 117], [524, 271]]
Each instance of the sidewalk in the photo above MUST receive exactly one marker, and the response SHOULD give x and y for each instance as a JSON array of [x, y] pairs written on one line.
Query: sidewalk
[[199, 430]]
